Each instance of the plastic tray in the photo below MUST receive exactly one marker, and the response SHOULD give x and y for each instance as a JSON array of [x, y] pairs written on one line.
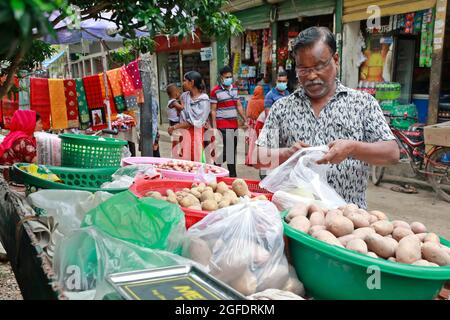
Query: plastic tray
[[330, 272], [253, 186]]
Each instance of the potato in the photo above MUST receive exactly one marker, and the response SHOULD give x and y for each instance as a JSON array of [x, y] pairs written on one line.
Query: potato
[[334, 212], [218, 197], [421, 236], [421, 263], [213, 185], [418, 227], [293, 284], [383, 227], [210, 205], [357, 245], [171, 196], [196, 193], [154, 195], [346, 239], [224, 203], [364, 213], [207, 195], [300, 223], [339, 226], [372, 254], [222, 187], [350, 208], [445, 248], [241, 188], [187, 190], [359, 220], [401, 223], [300, 209], [432, 252], [432, 237], [188, 201], [362, 233], [314, 208], [401, 232], [196, 207], [314, 229], [380, 245], [393, 241], [260, 197], [317, 218], [199, 251], [260, 255], [245, 284], [273, 277], [327, 237], [372, 219], [392, 259], [380, 215]]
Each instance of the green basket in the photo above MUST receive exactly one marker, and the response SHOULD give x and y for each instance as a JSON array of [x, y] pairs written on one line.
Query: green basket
[[331, 272], [82, 151], [73, 179]]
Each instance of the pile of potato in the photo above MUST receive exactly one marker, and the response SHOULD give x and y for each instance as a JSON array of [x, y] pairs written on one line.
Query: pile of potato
[[371, 233], [186, 166], [207, 197]]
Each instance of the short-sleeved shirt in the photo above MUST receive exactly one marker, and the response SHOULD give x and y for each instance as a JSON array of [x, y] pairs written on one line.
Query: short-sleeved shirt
[[273, 96], [349, 115], [22, 150], [226, 110], [172, 113]]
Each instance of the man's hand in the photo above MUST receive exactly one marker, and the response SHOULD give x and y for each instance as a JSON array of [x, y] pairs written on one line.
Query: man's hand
[[339, 151], [297, 146]]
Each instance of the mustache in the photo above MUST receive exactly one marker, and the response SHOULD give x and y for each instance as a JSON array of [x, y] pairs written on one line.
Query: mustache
[[314, 82]]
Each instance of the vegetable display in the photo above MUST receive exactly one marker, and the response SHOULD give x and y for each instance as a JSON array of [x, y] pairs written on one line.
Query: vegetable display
[[186, 166], [371, 233]]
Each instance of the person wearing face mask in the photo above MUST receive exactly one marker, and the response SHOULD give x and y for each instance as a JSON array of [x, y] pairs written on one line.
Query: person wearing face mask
[[278, 92], [322, 111], [225, 106]]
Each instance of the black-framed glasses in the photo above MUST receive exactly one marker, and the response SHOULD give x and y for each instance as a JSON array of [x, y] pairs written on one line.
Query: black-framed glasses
[[317, 69]]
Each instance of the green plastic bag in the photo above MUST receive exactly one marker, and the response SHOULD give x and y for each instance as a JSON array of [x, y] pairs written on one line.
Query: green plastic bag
[[146, 222]]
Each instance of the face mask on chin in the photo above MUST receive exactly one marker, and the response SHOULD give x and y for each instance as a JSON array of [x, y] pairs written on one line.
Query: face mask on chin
[[282, 86]]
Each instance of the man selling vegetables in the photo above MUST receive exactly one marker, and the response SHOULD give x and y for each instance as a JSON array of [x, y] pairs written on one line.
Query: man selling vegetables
[[325, 112]]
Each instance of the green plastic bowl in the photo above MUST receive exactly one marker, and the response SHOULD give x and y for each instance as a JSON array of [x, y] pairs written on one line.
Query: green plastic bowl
[[333, 273]]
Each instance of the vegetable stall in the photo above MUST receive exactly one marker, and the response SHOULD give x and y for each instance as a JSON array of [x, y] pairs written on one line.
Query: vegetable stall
[[154, 220]]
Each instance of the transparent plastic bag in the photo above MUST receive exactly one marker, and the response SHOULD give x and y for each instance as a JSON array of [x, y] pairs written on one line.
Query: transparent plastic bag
[[202, 176], [68, 207], [241, 245], [302, 175], [125, 176], [87, 256]]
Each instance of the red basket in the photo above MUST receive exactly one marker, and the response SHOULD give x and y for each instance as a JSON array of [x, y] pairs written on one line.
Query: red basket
[[141, 187], [253, 186]]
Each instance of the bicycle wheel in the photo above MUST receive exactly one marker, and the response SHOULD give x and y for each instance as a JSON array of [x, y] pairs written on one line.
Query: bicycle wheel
[[377, 174], [438, 172]]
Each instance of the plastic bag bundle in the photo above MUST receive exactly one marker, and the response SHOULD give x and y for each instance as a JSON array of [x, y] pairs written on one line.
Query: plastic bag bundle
[[241, 245], [301, 175], [202, 176], [125, 176], [84, 259], [146, 222], [48, 148]]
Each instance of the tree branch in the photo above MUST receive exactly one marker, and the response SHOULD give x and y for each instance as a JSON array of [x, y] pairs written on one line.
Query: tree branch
[[11, 71]]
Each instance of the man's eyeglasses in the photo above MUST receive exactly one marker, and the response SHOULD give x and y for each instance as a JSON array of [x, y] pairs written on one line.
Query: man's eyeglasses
[[317, 69]]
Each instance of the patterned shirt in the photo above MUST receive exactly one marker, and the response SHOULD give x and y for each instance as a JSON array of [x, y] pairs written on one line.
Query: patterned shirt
[[226, 100], [349, 115], [273, 96], [22, 150]]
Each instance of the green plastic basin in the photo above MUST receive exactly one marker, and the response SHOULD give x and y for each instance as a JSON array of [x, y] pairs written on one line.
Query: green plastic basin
[[333, 273]]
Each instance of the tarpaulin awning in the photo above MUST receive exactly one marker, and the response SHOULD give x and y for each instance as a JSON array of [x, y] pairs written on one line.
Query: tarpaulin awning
[[48, 62]]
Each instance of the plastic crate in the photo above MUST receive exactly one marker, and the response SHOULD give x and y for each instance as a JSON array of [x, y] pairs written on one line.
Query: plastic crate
[[73, 179], [82, 151], [253, 186]]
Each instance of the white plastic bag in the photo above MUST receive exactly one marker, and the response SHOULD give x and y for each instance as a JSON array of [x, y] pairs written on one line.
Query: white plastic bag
[[202, 176], [125, 176], [241, 245], [302, 175], [68, 207]]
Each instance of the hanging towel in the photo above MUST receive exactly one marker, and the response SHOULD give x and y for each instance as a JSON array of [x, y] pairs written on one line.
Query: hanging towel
[[83, 111], [93, 90], [110, 94], [129, 92], [24, 93], [114, 78], [40, 100], [57, 103], [70, 91]]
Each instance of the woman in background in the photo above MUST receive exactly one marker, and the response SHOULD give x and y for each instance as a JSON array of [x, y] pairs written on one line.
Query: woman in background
[[254, 109]]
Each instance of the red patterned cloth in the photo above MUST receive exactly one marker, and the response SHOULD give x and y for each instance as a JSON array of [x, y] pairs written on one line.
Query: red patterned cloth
[[93, 90], [127, 83], [40, 100], [112, 105], [70, 92], [22, 150], [133, 71]]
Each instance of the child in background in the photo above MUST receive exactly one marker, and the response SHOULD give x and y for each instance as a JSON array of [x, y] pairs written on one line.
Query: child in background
[[174, 105]]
